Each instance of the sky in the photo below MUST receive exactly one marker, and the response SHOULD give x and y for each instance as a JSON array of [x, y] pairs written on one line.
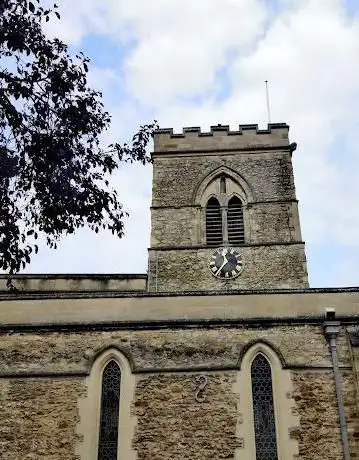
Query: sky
[[204, 62]]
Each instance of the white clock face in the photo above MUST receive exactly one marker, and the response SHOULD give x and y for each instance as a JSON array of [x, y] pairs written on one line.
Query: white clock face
[[226, 263]]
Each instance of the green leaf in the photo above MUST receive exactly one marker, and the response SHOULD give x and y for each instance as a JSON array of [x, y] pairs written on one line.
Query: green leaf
[[56, 172]]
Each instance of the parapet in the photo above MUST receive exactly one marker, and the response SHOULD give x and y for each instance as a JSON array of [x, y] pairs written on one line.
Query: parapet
[[45, 283], [220, 137]]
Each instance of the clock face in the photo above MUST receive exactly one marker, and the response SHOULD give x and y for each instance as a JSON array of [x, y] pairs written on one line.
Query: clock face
[[226, 263]]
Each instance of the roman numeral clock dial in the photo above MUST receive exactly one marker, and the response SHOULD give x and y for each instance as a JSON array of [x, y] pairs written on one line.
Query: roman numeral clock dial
[[226, 263]]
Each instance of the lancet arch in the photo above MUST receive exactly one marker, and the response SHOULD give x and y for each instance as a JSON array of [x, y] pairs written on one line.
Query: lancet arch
[[265, 405], [222, 197], [91, 407], [243, 189]]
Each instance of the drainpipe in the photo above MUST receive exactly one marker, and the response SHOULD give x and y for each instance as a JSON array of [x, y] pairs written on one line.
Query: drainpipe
[[331, 331]]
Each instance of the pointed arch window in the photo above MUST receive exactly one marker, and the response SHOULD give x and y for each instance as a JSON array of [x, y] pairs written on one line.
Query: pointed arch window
[[224, 224], [235, 223], [263, 409], [110, 411], [214, 232]]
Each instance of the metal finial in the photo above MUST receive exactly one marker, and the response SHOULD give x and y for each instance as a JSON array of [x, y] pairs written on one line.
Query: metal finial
[[268, 106]]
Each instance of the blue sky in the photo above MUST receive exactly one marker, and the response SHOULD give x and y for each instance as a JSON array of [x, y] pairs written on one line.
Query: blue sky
[[204, 62]]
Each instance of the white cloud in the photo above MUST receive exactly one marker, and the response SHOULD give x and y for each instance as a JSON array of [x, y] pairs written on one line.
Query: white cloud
[[79, 19], [310, 58], [181, 47], [87, 252], [309, 53]]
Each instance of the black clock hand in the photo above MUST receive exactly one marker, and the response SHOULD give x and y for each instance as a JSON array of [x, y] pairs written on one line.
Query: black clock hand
[[225, 261]]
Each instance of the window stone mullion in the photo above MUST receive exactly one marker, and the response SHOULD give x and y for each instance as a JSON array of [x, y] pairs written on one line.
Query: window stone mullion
[[224, 225]]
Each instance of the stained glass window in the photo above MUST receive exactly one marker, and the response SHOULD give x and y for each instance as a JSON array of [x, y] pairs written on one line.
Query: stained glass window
[[110, 409], [263, 408]]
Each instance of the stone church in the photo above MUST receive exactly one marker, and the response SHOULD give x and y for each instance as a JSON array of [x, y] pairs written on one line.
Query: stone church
[[221, 351]]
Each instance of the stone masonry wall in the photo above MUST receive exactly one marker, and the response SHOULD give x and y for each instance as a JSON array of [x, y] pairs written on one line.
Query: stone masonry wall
[[273, 222], [175, 178], [247, 137], [264, 267], [316, 405], [173, 425], [54, 352], [270, 217], [38, 418], [264, 223], [39, 415], [185, 232], [355, 358]]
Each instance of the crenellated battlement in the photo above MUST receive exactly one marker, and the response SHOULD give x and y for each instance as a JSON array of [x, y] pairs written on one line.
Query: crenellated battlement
[[220, 137]]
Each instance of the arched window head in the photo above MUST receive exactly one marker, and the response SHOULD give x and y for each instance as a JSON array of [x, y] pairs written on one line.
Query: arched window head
[[223, 201], [263, 409], [266, 405], [106, 426], [235, 223], [214, 235], [110, 411]]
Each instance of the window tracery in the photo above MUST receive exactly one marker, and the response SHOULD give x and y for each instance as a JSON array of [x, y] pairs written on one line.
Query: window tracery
[[224, 214], [263, 409], [267, 415], [110, 409], [106, 426]]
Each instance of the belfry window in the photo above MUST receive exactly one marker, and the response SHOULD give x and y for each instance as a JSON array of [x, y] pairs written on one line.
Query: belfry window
[[235, 222], [110, 410], [263, 409], [214, 232], [224, 224]]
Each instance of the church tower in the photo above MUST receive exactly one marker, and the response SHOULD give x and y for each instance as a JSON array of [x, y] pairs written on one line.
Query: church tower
[[221, 351], [224, 211]]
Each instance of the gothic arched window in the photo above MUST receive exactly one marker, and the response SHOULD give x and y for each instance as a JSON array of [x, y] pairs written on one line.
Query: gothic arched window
[[263, 409], [235, 224], [214, 236], [110, 411]]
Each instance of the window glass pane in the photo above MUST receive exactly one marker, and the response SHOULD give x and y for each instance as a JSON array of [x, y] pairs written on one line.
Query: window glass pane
[[235, 222], [213, 223], [110, 408], [263, 409]]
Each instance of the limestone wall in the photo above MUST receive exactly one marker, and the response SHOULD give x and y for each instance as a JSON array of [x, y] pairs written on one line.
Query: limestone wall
[[186, 232], [84, 310], [265, 222], [220, 137], [38, 418], [44, 382], [264, 266], [260, 162], [75, 282], [53, 352], [176, 177]]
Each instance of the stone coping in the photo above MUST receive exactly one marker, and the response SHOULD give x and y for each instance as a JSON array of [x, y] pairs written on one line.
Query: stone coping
[[32, 295], [119, 276], [243, 129], [41, 283], [184, 309]]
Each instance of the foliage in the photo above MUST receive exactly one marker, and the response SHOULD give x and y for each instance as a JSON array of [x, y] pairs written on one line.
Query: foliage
[[53, 172]]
